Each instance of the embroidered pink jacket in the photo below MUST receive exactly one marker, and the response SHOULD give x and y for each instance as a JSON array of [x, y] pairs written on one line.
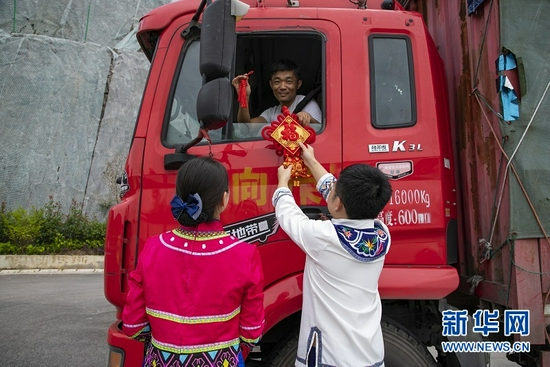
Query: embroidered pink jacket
[[199, 289]]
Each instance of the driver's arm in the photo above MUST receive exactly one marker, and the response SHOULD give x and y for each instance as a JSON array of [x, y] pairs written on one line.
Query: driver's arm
[[243, 115]]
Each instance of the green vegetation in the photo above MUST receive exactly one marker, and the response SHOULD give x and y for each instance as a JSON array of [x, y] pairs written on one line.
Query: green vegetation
[[48, 231]]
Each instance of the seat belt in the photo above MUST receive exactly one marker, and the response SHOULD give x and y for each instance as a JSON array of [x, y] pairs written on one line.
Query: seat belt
[[306, 99]]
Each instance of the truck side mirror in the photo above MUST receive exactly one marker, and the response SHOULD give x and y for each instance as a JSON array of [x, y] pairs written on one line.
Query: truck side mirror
[[218, 40], [218, 43], [214, 103]]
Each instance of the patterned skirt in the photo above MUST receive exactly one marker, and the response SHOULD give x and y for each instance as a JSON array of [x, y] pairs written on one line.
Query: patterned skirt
[[226, 357]]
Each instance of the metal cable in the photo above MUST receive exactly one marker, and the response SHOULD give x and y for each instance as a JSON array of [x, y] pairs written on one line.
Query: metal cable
[[482, 44], [513, 170], [510, 163]]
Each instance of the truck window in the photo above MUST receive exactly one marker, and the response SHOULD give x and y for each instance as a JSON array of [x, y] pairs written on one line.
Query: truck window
[[392, 86], [254, 52], [258, 51]]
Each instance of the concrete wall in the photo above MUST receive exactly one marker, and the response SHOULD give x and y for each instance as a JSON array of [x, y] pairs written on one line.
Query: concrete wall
[[68, 107], [43, 262], [105, 22]]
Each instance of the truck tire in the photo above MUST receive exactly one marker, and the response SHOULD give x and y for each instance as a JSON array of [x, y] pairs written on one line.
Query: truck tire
[[402, 349], [284, 354]]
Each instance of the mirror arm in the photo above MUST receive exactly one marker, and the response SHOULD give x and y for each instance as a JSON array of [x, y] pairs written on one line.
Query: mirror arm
[[173, 161], [192, 30], [194, 27], [199, 11], [203, 134]]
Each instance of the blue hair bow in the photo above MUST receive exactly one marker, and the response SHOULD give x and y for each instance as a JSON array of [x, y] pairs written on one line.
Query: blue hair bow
[[193, 206]]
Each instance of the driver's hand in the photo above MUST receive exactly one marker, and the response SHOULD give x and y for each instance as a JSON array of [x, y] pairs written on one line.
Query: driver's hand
[[304, 118], [236, 82]]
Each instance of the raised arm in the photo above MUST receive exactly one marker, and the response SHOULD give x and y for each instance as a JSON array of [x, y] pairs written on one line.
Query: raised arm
[[308, 154], [243, 115]]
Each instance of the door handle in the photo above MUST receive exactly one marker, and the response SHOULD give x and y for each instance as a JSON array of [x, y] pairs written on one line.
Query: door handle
[[173, 161]]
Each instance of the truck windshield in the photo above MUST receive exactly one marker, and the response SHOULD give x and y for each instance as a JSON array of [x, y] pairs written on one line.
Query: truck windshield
[[183, 125]]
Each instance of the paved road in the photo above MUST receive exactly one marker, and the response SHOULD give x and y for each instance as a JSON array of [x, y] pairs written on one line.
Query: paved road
[[62, 319], [500, 360], [54, 320]]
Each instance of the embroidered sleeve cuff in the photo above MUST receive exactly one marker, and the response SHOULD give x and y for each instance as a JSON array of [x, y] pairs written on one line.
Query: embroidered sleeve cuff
[[280, 192], [325, 184], [250, 342], [143, 334]]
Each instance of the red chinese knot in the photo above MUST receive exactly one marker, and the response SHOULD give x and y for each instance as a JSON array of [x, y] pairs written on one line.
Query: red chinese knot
[[285, 133]]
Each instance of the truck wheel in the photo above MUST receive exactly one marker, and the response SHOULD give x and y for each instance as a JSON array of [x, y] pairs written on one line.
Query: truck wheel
[[284, 354], [402, 349]]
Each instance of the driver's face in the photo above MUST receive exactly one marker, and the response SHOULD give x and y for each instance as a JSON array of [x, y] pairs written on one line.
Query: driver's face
[[285, 85]]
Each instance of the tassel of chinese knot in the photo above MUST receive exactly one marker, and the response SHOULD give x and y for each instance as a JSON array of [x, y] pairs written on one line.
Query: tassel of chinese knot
[[285, 133], [242, 91]]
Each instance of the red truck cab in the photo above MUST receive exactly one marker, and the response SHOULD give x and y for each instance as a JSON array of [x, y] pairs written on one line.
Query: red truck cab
[[384, 102]]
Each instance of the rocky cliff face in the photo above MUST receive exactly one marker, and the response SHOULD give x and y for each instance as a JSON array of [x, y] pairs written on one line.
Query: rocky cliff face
[[71, 80], [105, 22]]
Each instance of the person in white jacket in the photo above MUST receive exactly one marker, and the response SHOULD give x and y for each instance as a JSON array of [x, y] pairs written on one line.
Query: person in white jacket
[[341, 308]]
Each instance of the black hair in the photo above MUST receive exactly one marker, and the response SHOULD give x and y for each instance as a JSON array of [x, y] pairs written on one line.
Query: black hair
[[285, 65], [208, 178], [364, 191]]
